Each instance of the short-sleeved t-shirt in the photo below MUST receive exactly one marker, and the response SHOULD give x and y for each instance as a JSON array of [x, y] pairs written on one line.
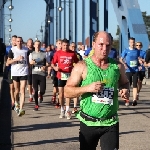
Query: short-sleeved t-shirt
[[113, 53], [43, 49], [142, 55], [28, 53], [87, 52], [19, 68], [65, 61], [40, 59], [8, 48], [131, 58]]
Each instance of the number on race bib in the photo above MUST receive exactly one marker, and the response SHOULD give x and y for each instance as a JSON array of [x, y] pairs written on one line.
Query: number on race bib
[[65, 76], [37, 68], [104, 97], [133, 63]]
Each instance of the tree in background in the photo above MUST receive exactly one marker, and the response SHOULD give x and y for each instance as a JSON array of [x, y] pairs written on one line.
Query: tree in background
[[116, 40], [146, 19]]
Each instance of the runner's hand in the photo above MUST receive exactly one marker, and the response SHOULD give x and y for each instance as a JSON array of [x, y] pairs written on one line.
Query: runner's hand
[[95, 87], [32, 62], [140, 68], [125, 66], [124, 93], [140, 61], [43, 68], [55, 68], [148, 64], [19, 58]]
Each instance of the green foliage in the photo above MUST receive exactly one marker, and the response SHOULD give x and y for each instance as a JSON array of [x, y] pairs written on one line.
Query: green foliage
[[116, 44], [146, 19]]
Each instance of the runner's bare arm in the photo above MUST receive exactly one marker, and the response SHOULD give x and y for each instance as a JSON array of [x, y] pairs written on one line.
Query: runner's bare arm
[[123, 81], [11, 61], [72, 89], [54, 62]]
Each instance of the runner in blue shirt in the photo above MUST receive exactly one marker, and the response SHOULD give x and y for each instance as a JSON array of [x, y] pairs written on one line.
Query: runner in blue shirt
[[141, 74], [113, 52], [131, 56]]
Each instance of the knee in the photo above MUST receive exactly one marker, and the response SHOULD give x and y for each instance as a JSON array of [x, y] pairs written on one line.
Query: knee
[[22, 90], [17, 90]]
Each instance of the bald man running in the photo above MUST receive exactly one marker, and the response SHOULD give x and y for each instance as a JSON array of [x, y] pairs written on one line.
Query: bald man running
[[96, 80]]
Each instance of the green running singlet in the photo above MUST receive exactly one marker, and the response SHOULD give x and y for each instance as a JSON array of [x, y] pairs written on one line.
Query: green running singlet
[[103, 104]]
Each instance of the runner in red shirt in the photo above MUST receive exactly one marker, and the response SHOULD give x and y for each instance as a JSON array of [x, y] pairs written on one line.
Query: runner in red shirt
[[65, 59]]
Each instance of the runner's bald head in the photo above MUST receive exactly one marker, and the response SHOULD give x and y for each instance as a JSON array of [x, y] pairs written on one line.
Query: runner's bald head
[[101, 44], [101, 35]]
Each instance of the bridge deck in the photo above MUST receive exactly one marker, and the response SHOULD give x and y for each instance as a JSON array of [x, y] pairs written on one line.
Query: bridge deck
[[43, 130]]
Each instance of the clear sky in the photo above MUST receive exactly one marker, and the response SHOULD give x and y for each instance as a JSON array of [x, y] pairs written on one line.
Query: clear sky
[[28, 15]]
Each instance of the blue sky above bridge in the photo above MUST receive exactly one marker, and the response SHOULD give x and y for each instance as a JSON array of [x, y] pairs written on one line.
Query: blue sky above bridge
[[28, 15]]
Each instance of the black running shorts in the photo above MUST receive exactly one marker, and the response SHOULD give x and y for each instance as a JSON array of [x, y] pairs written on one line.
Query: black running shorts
[[19, 78]]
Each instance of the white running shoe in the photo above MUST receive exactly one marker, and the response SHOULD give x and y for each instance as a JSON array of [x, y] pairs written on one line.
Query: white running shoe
[[68, 115], [62, 115]]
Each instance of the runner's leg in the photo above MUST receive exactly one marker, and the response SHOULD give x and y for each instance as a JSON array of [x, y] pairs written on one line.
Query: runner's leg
[[11, 85], [22, 93], [75, 105], [88, 137], [55, 91], [140, 80], [30, 89], [23, 82], [35, 82], [61, 99], [135, 90], [17, 88], [42, 82], [49, 71], [110, 138]]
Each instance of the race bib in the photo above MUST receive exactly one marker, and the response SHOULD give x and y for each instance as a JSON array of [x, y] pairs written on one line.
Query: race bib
[[37, 68], [104, 97], [65, 76], [20, 64], [133, 63]]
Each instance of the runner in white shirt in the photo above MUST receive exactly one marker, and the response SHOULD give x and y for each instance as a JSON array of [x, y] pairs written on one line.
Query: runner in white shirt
[[17, 57]]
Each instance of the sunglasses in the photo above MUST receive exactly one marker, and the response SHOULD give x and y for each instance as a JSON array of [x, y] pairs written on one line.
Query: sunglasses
[[138, 45]]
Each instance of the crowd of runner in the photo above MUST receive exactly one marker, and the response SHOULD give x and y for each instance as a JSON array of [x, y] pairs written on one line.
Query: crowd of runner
[[77, 74]]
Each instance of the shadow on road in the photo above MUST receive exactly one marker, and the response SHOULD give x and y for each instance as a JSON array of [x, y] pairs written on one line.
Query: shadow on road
[[129, 132], [43, 126], [73, 139]]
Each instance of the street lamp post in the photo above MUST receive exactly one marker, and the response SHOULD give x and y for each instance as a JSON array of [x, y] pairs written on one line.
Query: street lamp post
[[10, 7], [60, 9], [36, 38], [47, 21], [10, 17]]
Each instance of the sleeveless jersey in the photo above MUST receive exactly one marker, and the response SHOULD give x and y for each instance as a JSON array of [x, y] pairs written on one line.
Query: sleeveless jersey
[[40, 59], [103, 104], [19, 68]]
